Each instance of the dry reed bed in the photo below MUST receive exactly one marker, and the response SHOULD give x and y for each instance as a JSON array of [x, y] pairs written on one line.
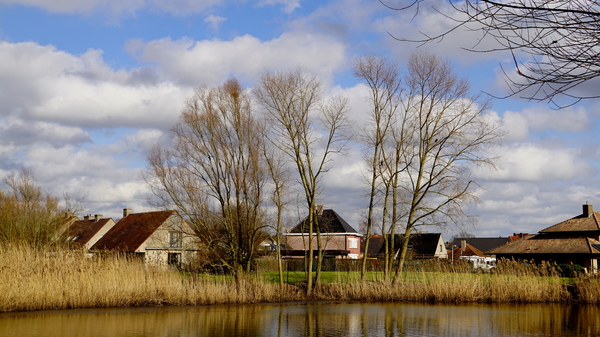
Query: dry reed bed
[[35, 280]]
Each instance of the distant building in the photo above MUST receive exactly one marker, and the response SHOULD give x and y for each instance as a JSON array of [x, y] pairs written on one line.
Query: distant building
[[161, 238], [481, 244], [464, 249], [575, 241], [420, 245], [339, 239], [85, 233]]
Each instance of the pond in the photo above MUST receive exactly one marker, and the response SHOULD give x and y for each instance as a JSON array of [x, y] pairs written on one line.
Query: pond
[[311, 319]]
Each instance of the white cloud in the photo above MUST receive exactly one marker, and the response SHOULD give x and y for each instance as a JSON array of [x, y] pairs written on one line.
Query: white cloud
[[183, 7], [108, 175], [214, 21], [529, 162], [288, 5], [569, 119], [40, 82], [194, 63], [515, 125], [420, 22], [520, 125], [20, 133]]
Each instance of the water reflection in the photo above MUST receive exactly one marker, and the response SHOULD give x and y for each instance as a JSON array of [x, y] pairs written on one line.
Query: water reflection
[[312, 319]]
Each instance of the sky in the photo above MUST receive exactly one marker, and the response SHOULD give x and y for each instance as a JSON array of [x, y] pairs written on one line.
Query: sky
[[88, 87]]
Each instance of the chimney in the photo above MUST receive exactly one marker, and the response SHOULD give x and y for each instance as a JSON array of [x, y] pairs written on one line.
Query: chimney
[[87, 217], [463, 244], [319, 209], [97, 217], [126, 211], [587, 210]]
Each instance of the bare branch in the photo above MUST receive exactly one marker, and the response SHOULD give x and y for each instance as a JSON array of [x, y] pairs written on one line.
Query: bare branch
[[554, 43]]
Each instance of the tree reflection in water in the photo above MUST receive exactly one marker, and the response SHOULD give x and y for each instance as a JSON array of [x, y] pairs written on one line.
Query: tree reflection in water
[[312, 319]]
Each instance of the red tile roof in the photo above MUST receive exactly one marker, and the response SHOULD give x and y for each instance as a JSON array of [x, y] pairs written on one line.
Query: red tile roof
[[467, 251], [132, 231]]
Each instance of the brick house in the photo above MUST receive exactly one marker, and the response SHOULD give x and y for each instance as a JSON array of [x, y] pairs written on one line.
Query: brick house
[[340, 240]]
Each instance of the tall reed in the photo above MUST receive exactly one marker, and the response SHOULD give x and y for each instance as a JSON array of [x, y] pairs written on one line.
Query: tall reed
[[32, 279], [441, 281]]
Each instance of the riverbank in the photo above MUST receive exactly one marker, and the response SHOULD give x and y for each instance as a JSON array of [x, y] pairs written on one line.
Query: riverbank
[[34, 280]]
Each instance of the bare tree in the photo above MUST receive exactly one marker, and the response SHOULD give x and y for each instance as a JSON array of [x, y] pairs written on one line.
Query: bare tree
[[558, 37], [28, 214], [397, 155], [383, 79], [293, 102], [213, 173], [445, 132], [280, 180]]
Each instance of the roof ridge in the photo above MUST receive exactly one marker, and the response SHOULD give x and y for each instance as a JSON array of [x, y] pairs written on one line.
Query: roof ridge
[[344, 223]]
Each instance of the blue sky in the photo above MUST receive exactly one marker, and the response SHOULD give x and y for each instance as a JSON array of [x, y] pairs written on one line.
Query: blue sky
[[87, 87]]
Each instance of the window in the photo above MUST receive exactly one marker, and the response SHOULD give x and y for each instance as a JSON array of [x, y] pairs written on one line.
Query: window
[[174, 259], [352, 243], [175, 239]]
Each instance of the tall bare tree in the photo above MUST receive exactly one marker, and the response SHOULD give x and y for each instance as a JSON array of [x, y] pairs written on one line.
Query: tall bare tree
[[445, 132], [558, 37], [396, 158], [213, 172], [383, 80], [308, 129]]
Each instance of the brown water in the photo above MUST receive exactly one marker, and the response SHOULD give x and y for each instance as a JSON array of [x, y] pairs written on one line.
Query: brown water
[[311, 319]]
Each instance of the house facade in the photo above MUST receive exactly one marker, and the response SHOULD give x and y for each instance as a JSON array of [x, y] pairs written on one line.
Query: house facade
[[573, 241], [338, 238], [161, 238], [420, 246]]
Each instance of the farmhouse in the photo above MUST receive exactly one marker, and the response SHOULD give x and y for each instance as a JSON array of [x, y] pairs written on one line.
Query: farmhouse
[[160, 238], [575, 241]]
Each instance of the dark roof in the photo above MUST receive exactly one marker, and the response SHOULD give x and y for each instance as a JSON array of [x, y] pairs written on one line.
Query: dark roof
[[580, 223], [544, 244], [483, 244], [420, 244], [132, 231], [81, 231], [329, 222]]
